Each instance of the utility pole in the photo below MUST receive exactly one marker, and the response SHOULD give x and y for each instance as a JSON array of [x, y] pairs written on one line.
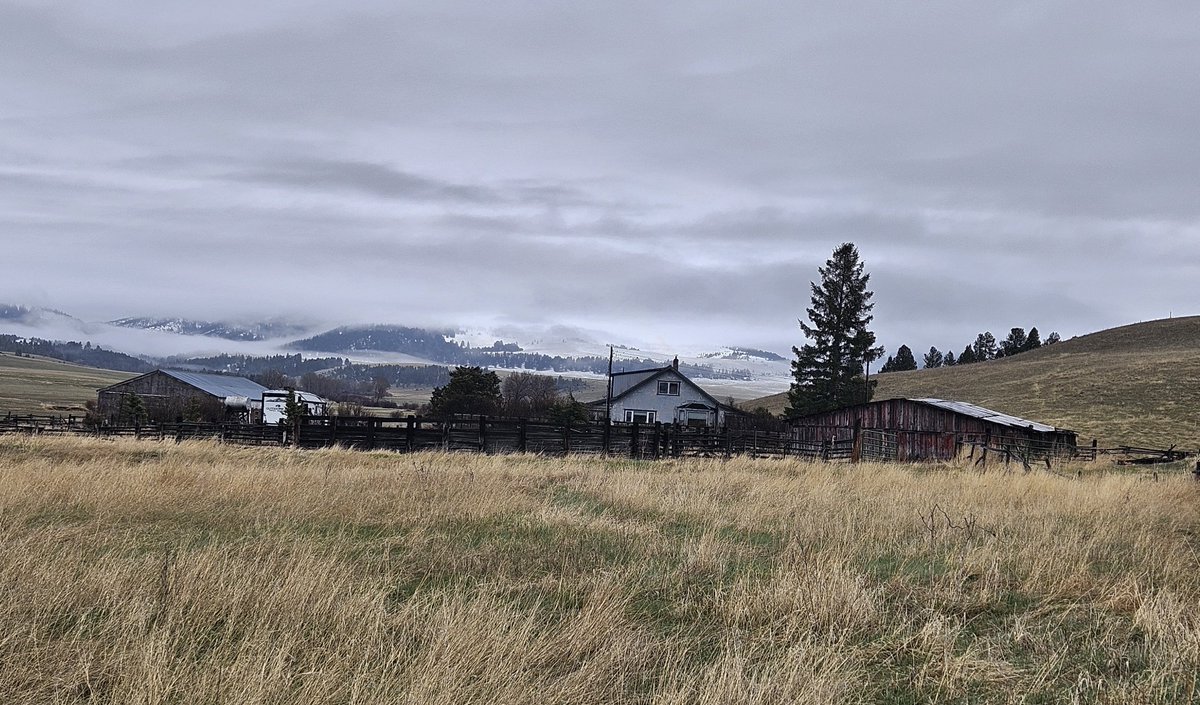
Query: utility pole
[[867, 385], [608, 393], [608, 403]]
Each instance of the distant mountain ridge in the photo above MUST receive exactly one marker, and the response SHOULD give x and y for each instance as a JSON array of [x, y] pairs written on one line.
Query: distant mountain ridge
[[74, 351], [436, 346], [213, 329], [419, 342], [747, 354]]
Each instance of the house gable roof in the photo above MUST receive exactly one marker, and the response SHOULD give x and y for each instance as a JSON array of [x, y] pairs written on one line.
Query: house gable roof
[[654, 375], [624, 381]]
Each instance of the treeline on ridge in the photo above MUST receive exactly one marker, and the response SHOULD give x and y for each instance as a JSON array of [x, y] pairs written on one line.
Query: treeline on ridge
[[73, 351], [983, 349]]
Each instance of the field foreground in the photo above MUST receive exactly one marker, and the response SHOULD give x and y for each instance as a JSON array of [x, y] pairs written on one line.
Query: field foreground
[[139, 572]]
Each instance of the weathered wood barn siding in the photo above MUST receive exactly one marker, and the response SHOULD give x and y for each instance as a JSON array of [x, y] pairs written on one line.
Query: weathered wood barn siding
[[166, 393], [926, 431], [160, 392]]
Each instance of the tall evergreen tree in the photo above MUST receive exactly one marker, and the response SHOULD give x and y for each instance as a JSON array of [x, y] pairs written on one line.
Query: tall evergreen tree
[[1052, 338], [967, 356], [132, 410], [471, 390], [904, 360], [1034, 341], [949, 360], [889, 365], [828, 371], [933, 358], [1014, 344], [984, 347]]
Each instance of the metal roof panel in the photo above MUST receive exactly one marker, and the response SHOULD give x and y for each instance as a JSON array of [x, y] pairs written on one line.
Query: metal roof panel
[[219, 385], [968, 409]]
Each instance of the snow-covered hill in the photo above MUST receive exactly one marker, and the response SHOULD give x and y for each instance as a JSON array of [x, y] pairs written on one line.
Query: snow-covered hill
[[742, 372], [215, 329]]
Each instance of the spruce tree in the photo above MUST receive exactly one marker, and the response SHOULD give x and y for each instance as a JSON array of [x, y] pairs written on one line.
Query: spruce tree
[[904, 360], [934, 358], [949, 360], [985, 347], [132, 410], [828, 371], [294, 410], [471, 390], [967, 356], [1034, 340], [1016, 343]]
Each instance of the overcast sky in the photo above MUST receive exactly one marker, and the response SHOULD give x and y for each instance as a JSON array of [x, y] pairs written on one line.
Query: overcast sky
[[666, 172]]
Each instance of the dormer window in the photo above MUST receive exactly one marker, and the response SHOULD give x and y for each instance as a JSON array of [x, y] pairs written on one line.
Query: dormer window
[[668, 388]]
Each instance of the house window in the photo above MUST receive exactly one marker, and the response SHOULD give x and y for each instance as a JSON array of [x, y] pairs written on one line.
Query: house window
[[671, 388], [638, 416]]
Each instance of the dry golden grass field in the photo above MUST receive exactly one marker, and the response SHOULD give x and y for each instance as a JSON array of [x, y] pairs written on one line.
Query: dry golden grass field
[[1134, 385], [145, 572], [37, 385]]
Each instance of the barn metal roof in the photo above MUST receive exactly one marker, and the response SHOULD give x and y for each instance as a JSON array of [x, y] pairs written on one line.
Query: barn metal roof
[[219, 385], [962, 407]]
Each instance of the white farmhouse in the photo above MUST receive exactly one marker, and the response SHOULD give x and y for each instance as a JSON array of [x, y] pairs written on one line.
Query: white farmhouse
[[662, 394]]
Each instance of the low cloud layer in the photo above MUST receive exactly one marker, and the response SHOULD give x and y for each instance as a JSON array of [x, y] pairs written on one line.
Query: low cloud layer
[[672, 173]]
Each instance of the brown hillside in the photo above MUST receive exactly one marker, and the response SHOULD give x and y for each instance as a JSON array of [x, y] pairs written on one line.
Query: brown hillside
[[37, 385], [1134, 385]]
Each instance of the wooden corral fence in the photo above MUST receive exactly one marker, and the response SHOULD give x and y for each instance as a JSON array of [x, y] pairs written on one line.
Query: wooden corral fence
[[480, 434], [484, 434]]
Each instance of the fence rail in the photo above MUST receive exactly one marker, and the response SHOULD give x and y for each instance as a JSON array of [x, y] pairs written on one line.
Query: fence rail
[[483, 434], [468, 434]]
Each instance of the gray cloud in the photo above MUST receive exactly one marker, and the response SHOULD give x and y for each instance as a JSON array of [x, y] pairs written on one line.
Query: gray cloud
[[673, 169]]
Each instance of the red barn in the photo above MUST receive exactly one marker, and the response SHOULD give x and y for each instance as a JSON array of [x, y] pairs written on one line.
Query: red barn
[[932, 429]]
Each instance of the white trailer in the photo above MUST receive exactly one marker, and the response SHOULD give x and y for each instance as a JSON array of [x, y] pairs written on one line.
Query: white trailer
[[274, 404]]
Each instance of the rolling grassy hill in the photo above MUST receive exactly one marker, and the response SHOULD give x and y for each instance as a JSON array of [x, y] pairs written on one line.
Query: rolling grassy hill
[[1134, 385], [37, 385]]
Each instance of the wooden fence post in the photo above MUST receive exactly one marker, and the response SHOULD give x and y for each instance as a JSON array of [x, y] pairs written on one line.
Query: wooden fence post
[[856, 442], [633, 441], [1095, 449], [410, 434], [482, 433], [522, 435], [657, 439]]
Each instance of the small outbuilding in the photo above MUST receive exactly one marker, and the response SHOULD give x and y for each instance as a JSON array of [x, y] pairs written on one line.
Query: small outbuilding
[[932, 429], [167, 395]]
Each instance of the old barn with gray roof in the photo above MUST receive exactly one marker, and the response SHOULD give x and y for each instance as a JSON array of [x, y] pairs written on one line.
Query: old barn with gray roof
[[934, 429], [167, 394]]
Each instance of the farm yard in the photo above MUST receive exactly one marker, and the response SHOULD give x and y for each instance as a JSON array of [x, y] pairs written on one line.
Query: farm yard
[[144, 571]]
